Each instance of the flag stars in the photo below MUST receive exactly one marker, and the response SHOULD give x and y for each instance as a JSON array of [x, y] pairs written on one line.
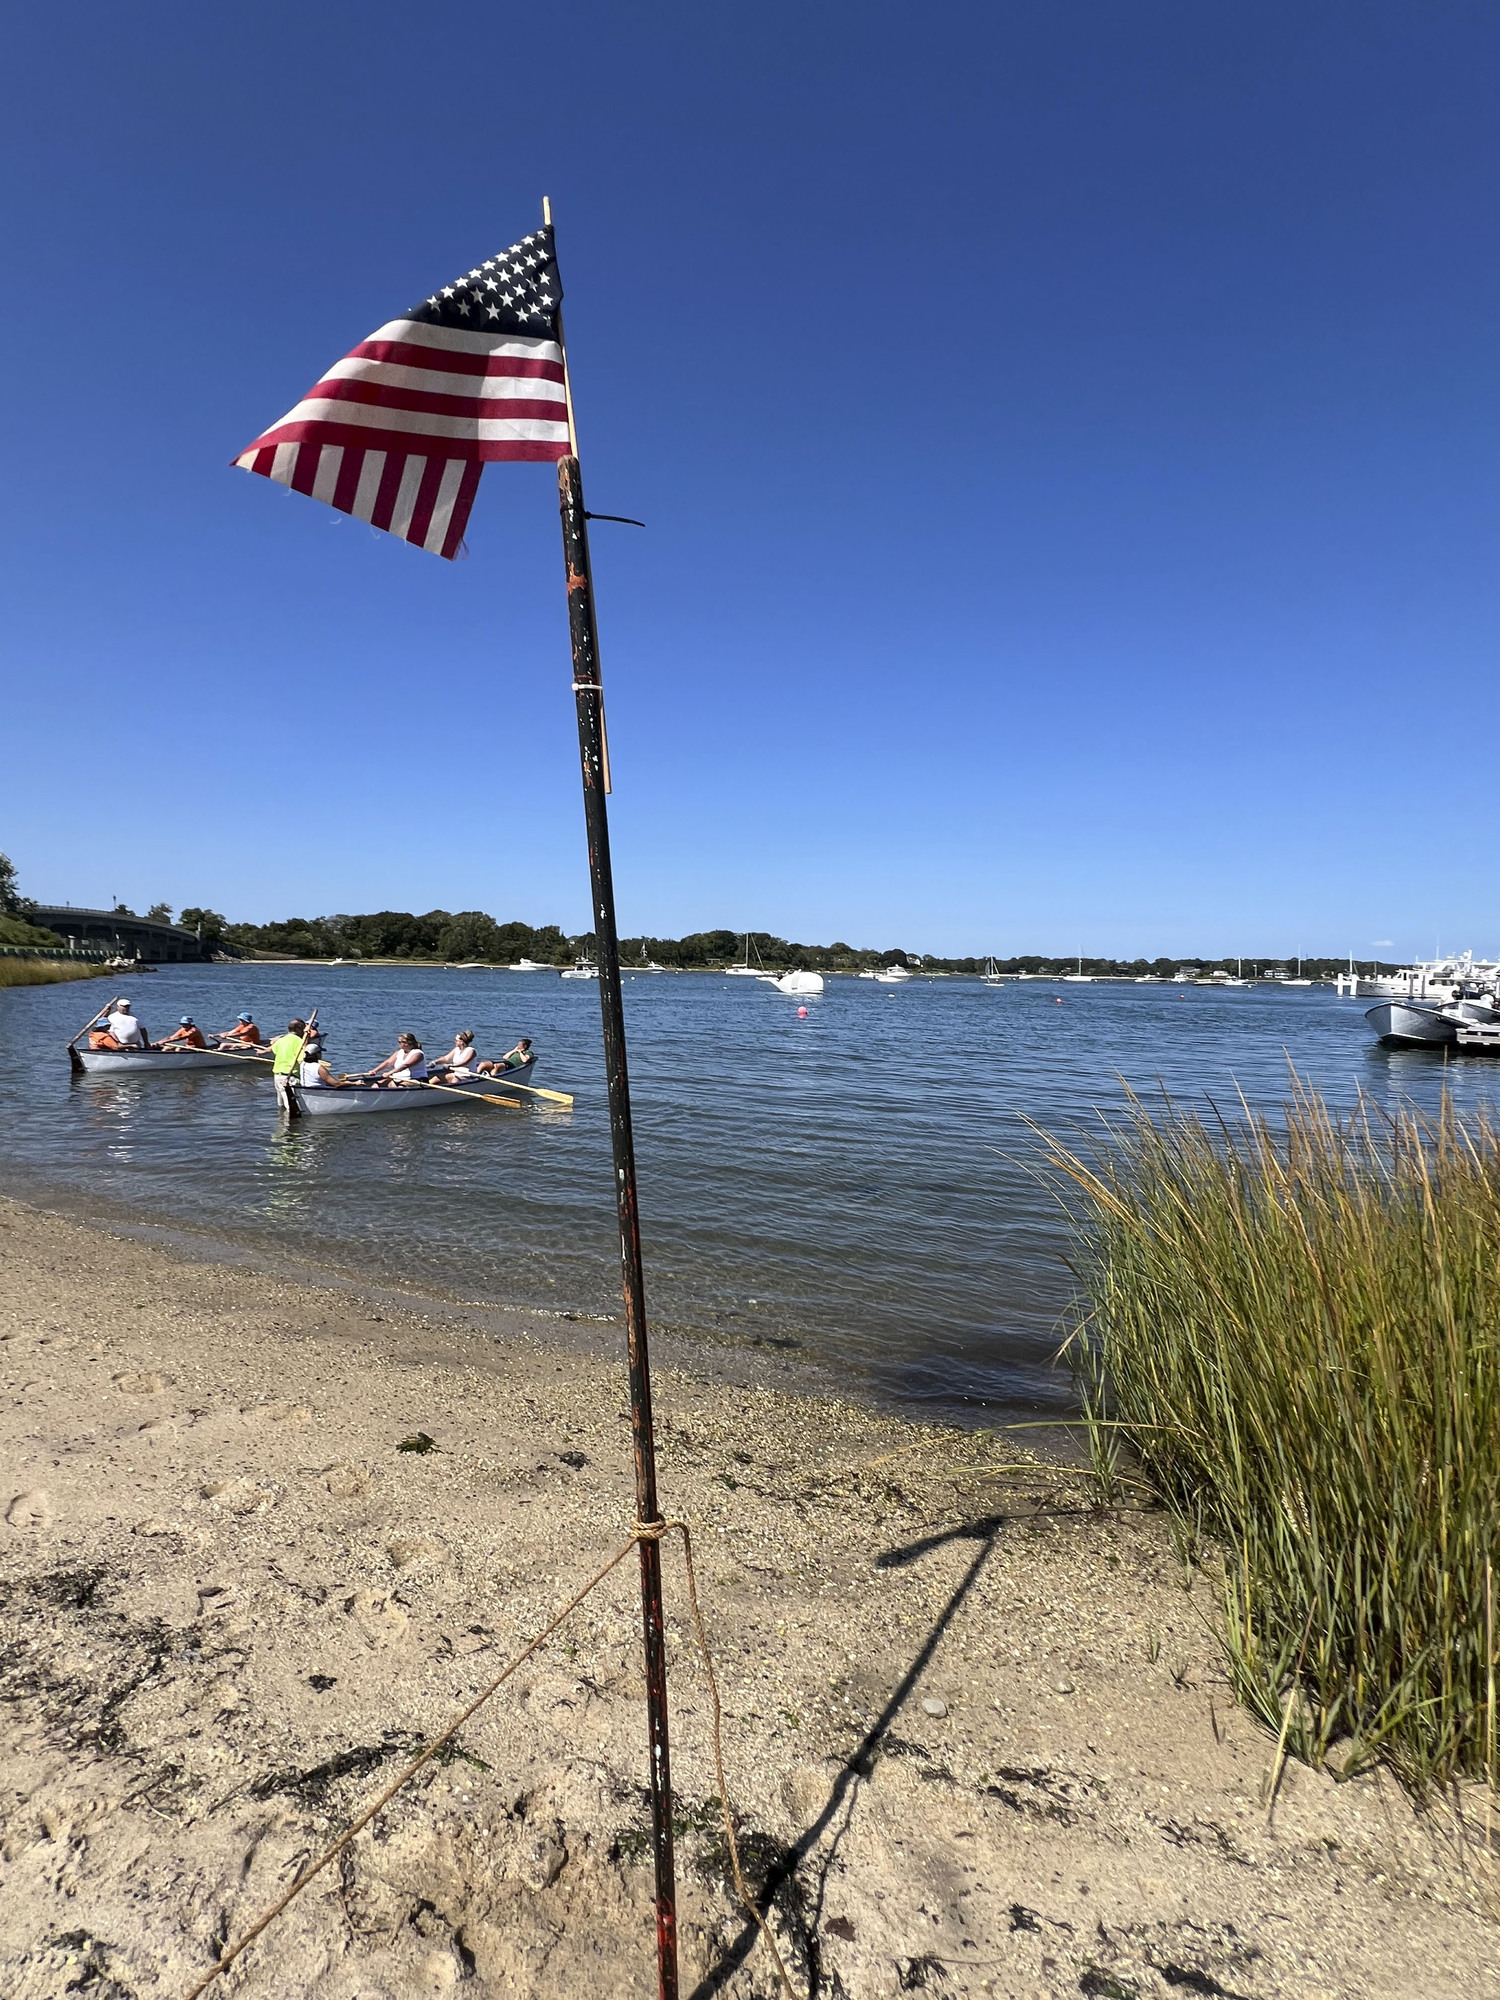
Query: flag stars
[[518, 287]]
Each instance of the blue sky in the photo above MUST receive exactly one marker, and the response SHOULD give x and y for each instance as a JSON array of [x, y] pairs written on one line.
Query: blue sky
[[1067, 434]]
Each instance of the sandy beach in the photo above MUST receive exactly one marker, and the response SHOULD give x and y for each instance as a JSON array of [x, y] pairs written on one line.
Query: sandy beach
[[978, 1737]]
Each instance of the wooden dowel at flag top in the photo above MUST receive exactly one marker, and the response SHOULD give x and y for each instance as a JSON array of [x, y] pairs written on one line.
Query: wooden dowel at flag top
[[588, 699], [562, 343]]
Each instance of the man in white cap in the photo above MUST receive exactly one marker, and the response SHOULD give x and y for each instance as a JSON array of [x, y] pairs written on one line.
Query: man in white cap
[[126, 1029]]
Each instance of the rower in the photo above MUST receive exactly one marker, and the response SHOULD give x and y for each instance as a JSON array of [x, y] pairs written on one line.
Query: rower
[[188, 1035], [129, 1033], [458, 1064], [405, 1063], [516, 1058], [314, 1071], [244, 1030]]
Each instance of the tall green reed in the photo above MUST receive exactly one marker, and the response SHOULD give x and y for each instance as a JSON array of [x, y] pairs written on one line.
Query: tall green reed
[[1297, 1331], [45, 971]]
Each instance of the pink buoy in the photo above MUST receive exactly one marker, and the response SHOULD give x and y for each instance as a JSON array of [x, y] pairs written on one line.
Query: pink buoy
[[801, 1013], [1059, 999]]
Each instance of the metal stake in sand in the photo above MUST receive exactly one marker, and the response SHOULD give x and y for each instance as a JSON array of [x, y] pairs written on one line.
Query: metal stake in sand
[[594, 758]]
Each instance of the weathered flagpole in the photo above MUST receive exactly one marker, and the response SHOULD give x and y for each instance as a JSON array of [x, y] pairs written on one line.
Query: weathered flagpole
[[594, 757]]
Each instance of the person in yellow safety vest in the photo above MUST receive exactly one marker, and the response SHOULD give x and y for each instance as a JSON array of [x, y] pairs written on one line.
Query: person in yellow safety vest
[[286, 1053]]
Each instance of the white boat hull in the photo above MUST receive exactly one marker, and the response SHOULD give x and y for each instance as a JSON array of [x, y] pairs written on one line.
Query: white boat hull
[[153, 1062], [1408, 1024], [1401, 1025], [364, 1100]]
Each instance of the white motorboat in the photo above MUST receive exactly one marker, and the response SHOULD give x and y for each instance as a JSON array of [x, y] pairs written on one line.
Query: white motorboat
[[1460, 976], [1408, 1024], [892, 975], [582, 970], [529, 965], [357, 1100], [797, 984], [155, 1062], [745, 970]]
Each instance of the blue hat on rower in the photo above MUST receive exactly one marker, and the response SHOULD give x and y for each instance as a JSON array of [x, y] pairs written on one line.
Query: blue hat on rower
[[246, 1017], [186, 1021]]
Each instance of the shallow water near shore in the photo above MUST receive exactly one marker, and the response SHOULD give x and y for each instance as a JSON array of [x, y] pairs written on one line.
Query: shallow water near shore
[[857, 1188]]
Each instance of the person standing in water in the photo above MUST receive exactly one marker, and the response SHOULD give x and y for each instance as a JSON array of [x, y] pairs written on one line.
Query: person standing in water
[[286, 1054]]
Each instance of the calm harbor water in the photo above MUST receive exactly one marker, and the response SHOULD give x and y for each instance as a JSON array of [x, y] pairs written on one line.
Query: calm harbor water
[[860, 1182]]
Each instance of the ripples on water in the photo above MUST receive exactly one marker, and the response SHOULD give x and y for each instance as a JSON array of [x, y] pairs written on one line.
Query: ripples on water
[[860, 1183]]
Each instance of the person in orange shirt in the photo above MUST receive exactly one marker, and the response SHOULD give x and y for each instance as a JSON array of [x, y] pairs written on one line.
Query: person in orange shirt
[[243, 1032], [187, 1036]]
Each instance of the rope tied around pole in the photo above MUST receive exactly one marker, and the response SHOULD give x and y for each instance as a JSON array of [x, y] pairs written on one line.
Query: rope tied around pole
[[653, 1531], [641, 1531]]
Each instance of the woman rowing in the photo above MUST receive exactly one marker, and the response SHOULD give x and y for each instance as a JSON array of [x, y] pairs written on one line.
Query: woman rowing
[[405, 1063], [459, 1063], [314, 1070]]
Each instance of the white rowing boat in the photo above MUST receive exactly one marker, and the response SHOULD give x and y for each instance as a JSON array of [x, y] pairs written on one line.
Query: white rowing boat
[[144, 1062], [353, 1100]]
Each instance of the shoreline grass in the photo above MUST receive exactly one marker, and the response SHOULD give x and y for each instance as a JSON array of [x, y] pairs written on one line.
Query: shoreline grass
[[1297, 1333], [45, 971]]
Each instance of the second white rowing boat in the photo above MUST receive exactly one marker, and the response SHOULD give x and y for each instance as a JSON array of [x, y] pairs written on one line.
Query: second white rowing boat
[[150, 1062], [325, 1100]]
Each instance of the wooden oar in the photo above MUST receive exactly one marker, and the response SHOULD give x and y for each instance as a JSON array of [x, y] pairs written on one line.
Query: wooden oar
[[427, 1084], [187, 1049], [103, 1011], [532, 1090]]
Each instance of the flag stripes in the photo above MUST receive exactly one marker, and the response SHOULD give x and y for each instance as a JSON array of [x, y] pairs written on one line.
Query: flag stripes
[[398, 431]]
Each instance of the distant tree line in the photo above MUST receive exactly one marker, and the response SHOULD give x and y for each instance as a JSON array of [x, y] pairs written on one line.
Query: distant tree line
[[469, 936]]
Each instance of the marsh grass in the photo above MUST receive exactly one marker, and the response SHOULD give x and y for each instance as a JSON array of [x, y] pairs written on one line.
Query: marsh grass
[[1296, 1333], [45, 971]]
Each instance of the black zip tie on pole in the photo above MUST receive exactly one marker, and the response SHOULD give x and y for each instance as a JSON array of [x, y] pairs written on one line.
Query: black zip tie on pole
[[629, 523]]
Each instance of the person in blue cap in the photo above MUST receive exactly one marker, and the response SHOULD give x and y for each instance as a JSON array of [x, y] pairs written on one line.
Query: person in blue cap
[[187, 1036], [244, 1034]]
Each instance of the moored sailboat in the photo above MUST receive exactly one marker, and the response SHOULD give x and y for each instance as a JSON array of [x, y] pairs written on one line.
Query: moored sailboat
[[743, 969]]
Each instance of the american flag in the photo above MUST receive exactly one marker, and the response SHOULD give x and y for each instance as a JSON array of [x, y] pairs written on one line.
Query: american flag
[[398, 432]]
